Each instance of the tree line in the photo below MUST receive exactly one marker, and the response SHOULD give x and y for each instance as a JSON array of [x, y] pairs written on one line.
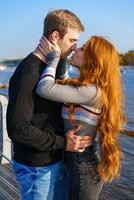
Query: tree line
[[127, 58]]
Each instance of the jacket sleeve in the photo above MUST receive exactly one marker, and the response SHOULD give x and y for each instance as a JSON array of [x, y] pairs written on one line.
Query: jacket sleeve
[[61, 71], [20, 111], [47, 87]]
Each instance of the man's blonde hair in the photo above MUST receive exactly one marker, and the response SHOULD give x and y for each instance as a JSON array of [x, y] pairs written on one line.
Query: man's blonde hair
[[61, 20]]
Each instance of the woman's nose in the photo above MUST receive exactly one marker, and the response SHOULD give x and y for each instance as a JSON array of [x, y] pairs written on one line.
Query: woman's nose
[[76, 50]]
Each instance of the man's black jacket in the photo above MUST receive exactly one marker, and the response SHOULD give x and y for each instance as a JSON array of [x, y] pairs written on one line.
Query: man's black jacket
[[34, 124]]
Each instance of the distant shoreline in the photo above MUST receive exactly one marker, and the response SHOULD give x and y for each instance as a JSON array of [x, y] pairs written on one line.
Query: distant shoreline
[[11, 62], [126, 59], [2, 86]]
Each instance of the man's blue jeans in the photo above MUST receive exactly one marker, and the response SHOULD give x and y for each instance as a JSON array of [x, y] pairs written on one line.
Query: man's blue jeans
[[42, 183]]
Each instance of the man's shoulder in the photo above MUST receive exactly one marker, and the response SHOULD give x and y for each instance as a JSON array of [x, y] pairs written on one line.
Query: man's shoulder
[[30, 65]]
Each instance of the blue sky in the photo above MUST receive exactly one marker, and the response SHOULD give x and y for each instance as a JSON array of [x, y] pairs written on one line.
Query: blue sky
[[21, 22]]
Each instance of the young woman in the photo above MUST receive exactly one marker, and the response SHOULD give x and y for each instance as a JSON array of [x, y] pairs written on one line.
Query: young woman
[[93, 100]]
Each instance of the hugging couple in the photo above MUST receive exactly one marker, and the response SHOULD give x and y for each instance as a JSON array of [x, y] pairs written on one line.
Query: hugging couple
[[65, 130]]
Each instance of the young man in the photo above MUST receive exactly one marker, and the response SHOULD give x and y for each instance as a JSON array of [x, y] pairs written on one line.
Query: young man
[[34, 124]]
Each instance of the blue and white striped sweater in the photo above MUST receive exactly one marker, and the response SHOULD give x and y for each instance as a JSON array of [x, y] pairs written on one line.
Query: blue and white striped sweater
[[85, 97]]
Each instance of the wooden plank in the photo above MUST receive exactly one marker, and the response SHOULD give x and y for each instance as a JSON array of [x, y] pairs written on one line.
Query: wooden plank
[[9, 188]]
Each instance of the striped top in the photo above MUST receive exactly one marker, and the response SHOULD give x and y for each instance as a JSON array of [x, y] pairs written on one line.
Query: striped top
[[84, 97]]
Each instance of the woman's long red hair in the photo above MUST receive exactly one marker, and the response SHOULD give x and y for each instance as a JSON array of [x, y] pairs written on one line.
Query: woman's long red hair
[[102, 69]]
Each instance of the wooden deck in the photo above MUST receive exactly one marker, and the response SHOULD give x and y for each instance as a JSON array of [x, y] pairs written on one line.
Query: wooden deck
[[123, 188], [9, 189]]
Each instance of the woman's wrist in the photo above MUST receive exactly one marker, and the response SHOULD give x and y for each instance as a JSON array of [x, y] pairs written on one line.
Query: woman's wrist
[[53, 54]]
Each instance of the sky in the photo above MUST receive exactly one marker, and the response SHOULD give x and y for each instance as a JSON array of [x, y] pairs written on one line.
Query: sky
[[21, 23]]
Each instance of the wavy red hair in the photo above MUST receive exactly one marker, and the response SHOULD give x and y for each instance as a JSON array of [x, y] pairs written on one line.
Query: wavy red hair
[[102, 69]]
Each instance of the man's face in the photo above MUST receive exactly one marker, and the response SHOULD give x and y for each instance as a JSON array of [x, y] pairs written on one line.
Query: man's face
[[68, 43]]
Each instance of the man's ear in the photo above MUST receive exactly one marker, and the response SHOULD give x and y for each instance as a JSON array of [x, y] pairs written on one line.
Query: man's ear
[[55, 36]]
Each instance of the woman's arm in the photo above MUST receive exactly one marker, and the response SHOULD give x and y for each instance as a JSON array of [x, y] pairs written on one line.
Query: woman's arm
[[47, 87]]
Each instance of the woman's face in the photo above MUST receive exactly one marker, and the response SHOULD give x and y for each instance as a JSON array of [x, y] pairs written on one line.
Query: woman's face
[[78, 58]]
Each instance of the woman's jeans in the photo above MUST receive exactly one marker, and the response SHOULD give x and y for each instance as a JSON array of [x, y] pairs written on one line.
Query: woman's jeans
[[42, 183], [84, 182]]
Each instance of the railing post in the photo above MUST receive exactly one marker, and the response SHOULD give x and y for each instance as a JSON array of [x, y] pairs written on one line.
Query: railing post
[[6, 150]]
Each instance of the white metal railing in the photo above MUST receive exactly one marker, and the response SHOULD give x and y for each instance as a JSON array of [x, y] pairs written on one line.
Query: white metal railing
[[6, 145]]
